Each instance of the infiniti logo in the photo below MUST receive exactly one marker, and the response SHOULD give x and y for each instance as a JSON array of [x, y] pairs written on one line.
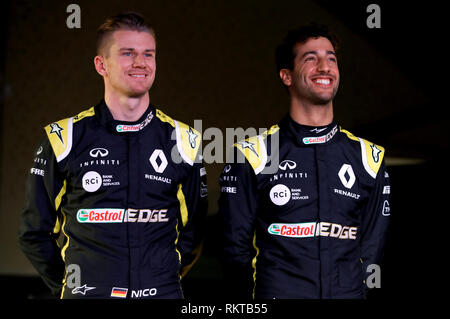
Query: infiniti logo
[[95, 152], [284, 165], [227, 168]]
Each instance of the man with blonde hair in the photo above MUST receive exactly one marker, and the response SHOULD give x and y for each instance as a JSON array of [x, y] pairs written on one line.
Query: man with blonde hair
[[127, 201]]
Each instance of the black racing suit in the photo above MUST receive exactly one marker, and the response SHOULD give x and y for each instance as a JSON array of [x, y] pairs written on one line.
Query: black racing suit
[[127, 202], [306, 218]]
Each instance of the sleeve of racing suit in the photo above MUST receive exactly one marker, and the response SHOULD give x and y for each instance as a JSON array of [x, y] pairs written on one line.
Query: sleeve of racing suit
[[38, 222], [375, 223], [237, 208], [192, 194]]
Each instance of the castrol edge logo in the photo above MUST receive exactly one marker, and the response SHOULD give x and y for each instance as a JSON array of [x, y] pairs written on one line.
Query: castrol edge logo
[[100, 215], [313, 229], [293, 230], [120, 215]]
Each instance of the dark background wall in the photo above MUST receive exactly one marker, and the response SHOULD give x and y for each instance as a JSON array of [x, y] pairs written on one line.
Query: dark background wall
[[215, 62]]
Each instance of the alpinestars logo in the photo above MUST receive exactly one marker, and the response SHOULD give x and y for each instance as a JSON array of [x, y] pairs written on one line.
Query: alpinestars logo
[[318, 130], [82, 290], [375, 153], [56, 129], [249, 145], [192, 136]]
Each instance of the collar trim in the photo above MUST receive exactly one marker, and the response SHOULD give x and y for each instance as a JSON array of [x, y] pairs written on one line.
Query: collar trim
[[124, 128]]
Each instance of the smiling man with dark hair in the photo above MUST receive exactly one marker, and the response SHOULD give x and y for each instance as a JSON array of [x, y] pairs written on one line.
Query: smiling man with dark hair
[[312, 228]]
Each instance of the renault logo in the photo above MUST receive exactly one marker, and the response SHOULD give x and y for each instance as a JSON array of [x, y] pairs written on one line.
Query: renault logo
[[347, 176], [158, 161]]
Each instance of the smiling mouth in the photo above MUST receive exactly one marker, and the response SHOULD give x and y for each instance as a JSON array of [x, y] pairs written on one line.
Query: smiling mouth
[[138, 76], [324, 82]]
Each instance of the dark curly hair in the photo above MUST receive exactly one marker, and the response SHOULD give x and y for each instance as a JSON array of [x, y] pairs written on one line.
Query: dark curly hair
[[284, 52]]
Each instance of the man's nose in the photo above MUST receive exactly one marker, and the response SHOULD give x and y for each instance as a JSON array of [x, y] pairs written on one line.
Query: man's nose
[[323, 66], [139, 61]]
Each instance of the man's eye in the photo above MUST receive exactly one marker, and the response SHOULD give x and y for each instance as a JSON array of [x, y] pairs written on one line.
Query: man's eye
[[127, 53]]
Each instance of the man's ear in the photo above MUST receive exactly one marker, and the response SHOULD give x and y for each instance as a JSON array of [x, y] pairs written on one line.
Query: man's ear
[[285, 76], [99, 63]]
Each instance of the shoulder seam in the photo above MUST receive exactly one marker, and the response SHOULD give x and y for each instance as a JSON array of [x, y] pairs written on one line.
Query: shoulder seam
[[371, 154], [188, 139], [165, 118], [349, 134], [86, 113]]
